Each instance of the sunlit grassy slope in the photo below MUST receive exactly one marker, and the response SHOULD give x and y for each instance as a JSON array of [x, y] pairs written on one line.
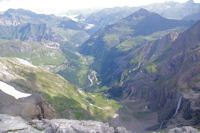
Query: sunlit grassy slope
[[68, 100], [68, 63]]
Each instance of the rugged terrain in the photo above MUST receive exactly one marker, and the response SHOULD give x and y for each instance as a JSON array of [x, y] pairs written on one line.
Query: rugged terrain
[[18, 125], [161, 72], [172, 73], [108, 16], [46, 40], [136, 69], [68, 100], [116, 40]]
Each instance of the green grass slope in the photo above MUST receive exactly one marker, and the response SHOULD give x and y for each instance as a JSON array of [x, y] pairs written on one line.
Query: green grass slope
[[111, 44], [68, 63], [68, 100], [35, 52]]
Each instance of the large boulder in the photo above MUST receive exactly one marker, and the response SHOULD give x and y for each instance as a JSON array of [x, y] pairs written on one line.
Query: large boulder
[[186, 129], [32, 107], [75, 126], [15, 125]]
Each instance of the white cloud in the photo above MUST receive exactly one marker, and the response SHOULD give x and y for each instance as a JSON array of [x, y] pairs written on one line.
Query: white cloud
[[57, 6]]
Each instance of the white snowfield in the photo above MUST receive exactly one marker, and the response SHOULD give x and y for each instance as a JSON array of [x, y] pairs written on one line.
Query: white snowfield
[[73, 17], [89, 26], [24, 62], [116, 115], [12, 91]]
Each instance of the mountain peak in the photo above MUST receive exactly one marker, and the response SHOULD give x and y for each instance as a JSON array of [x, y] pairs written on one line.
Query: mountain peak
[[190, 1], [20, 12], [142, 12], [11, 10], [138, 14]]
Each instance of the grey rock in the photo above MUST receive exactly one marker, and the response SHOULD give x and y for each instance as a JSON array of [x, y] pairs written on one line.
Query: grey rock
[[122, 130], [39, 124], [186, 129], [15, 125], [28, 108], [75, 126]]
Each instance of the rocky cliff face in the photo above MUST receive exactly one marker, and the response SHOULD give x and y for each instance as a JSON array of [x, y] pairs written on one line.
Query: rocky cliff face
[[115, 41], [166, 77], [29, 26], [170, 9], [159, 71], [30, 32]]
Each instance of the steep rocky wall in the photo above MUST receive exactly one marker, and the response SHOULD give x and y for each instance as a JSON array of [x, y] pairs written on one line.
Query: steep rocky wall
[[163, 78]]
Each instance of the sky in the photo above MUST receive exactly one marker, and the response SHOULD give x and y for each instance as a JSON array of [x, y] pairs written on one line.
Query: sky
[[60, 6]]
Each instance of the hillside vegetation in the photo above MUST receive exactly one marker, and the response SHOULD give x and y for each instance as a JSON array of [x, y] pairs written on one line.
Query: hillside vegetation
[[68, 100]]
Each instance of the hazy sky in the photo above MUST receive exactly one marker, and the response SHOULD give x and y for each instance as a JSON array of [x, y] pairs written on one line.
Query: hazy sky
[[58, 6]]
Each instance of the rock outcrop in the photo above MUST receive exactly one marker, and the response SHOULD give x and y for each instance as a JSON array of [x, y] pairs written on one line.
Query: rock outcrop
[[166, 70], [15, 124], [31, 107], [186, 129], [18, 125], [74, 126]]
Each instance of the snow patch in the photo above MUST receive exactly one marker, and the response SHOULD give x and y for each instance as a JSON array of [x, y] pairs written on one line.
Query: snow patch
[[93, 95], [12, 91], [96, 106], [81, 92], [73, 17], [116, 115], [22, 61], [89, 26]]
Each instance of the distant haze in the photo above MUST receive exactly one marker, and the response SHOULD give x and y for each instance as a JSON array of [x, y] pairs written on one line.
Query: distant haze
[[59, 6]]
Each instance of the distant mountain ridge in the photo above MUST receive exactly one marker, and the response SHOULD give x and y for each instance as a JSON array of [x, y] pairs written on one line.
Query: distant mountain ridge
[[26, 16], [19, 17], [46, 40], [158, 70], [145, 22], [174, 10], [170, 10], [116, 39], [174, 72], [147, 62], [29, 32], [141, 22]]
